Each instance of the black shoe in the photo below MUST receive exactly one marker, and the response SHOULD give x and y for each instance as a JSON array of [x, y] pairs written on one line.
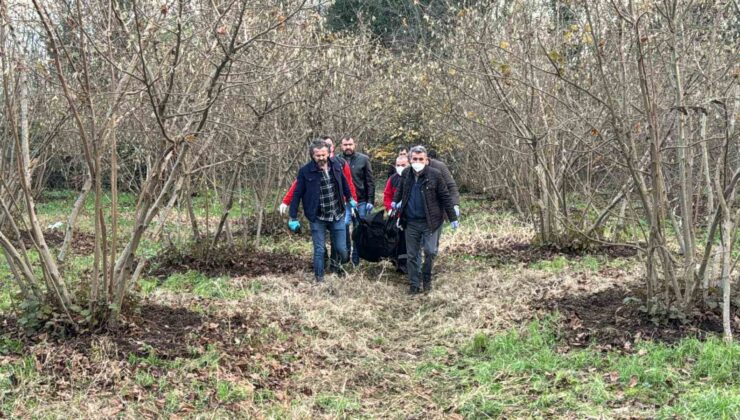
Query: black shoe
[[427, 287], [414, 291]]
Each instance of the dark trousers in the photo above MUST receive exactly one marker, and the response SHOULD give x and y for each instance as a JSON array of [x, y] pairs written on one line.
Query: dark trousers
[[420, 239], [351, 245], [401, 256]]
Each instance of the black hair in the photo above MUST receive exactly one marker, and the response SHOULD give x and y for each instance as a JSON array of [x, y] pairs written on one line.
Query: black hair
[[317, 144]]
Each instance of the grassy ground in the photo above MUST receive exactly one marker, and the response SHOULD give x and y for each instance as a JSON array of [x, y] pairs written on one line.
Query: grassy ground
[[277, 346]]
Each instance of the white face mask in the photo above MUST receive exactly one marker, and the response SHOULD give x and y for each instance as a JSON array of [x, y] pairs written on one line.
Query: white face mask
[[418, 166], [399, 169]]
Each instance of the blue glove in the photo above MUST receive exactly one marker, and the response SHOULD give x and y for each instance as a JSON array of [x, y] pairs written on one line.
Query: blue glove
[[455, 224], [369, 207], [353, 203], [457, 211], [293, 225]]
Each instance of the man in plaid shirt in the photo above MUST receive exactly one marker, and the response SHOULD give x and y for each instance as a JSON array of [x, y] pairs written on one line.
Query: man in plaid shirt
[[323, 189]]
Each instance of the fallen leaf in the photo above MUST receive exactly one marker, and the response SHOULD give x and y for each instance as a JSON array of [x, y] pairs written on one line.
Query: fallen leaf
[[633, 381]]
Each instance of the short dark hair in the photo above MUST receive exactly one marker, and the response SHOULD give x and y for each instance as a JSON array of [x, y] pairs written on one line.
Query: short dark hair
[[418, 149], [347, 138], [399, 148], [316, 145], [431, 153], [325, 137]]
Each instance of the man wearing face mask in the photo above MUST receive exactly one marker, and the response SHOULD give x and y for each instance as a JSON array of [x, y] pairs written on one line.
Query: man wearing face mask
[[422, 198], [401, 151], [362, 177], [402, 162], [322, 188]]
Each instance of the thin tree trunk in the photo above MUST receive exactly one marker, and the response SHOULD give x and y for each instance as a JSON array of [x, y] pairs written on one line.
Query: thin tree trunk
[[227, 206], [72, 219], [705, 165]]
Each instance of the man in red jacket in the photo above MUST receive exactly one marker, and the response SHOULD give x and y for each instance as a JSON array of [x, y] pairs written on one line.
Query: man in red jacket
[[392, 185], [345, 169], [402, 162]]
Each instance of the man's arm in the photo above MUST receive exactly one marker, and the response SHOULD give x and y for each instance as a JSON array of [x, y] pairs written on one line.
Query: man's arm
[[369, 182], [348, 176], [449, 182], [445, 199], [399, 191], [300, 189], [388, 195], [289, 195], [346, 192]]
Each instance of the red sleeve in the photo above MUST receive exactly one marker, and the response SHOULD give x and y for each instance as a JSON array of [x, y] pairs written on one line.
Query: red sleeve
[[289, 195], [348, 175], [388, 194]]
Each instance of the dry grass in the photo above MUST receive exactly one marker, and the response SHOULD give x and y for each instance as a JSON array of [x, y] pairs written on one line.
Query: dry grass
[[366, 340]]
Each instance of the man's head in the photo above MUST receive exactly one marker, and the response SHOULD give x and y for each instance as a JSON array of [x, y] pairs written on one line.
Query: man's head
[[402, 151], [329, 142], [418, 158], [402, 162], [348, 146], [319, 152]]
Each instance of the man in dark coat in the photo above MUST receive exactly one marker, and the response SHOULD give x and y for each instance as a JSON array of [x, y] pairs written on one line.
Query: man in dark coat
[[449, 181], [323, 190], [423, 200], [362, 177]]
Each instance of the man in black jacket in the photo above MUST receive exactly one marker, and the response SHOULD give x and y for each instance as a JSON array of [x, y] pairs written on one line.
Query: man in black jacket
[[423, 200], [362, 177], [449, 181]]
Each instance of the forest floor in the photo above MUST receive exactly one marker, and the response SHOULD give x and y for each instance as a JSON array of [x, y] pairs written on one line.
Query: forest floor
[[511, 330]]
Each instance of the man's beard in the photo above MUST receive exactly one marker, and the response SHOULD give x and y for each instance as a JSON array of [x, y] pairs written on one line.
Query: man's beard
[[322, 162], [349, 152]]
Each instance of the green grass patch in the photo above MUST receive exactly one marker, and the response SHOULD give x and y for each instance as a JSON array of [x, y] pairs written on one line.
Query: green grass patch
[[520, 373], [202, 285], [586, 263], [14, 377], [556, 265], [338, 405], [712, 403], [227, 392]]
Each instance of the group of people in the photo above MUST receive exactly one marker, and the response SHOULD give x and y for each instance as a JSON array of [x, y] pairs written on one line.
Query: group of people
[[337, 191]]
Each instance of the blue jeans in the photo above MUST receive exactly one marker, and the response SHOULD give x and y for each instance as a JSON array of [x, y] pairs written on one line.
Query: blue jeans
[[362, 211], [338, 240]]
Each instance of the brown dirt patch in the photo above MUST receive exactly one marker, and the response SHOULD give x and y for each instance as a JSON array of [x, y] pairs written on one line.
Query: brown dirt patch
[[502, 251], [272, 224], [250, 344], [226, 260], [612, 319], [83, 243]]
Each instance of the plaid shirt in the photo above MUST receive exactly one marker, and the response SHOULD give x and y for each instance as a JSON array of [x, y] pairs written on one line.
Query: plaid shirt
[[329, 210]]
